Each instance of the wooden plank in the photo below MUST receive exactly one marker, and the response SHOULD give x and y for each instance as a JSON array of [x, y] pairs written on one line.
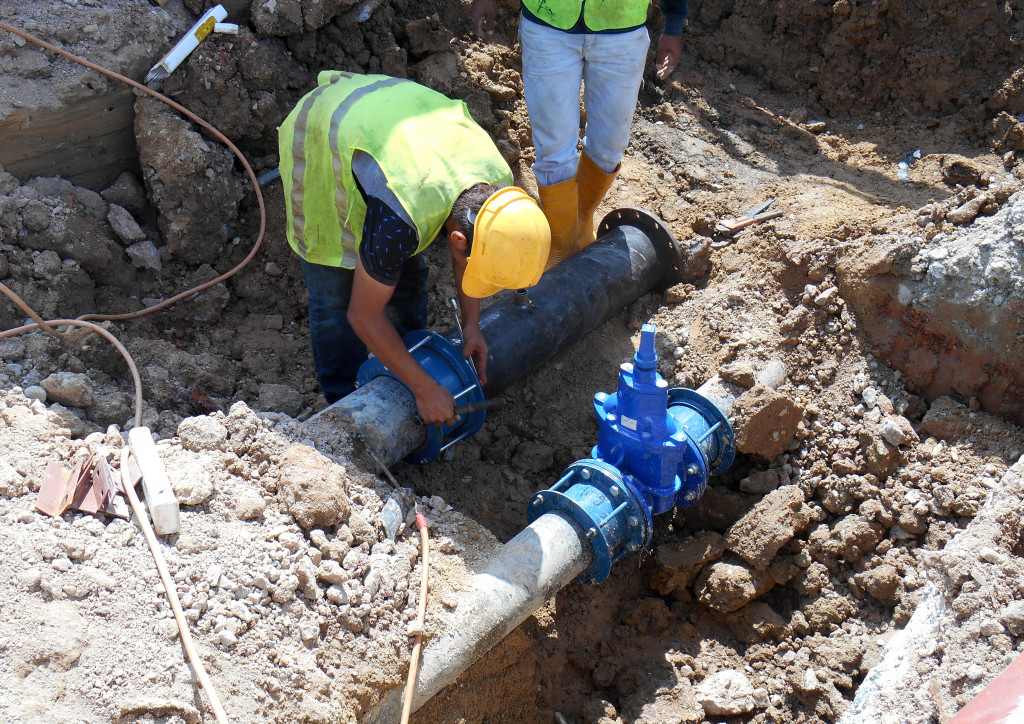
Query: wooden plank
[[89, 141], [160, 498]]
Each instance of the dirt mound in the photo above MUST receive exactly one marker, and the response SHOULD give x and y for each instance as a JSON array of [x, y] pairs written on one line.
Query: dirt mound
[[889, 293]]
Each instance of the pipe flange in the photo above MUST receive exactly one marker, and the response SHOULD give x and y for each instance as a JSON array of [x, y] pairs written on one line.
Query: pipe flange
[[724, 436], [670, 253], [607, 509]]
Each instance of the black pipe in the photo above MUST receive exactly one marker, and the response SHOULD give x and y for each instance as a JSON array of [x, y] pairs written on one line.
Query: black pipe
[[635, 253]]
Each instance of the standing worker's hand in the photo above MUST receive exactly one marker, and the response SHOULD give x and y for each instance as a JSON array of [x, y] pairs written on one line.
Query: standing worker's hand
[[670, 47], [474, 344], [483, 13], [435, 405]]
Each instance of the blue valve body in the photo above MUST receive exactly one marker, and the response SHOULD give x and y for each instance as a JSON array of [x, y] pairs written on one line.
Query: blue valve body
[[658, 445]]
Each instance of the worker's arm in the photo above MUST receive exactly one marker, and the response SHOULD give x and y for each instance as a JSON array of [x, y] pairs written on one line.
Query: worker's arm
[[366, 315], [473, 338], [483, 14], [670, 45]]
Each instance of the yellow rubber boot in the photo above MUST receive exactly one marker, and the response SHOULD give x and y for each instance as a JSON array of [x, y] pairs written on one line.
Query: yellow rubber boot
[[593, 184], [559, 202]]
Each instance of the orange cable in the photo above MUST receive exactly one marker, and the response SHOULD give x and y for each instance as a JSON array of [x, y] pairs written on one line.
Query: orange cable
[[421, 615]]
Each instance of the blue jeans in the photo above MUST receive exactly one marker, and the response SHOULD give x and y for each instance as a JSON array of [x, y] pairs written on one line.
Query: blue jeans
[[337, 350]]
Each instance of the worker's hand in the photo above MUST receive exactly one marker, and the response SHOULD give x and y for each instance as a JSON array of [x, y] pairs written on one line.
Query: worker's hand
[[483, 13], [435, 405], [670, 47], [474, 344]]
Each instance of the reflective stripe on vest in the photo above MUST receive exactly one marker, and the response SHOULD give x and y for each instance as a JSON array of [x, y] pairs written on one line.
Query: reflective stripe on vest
[[348, 259], [598, 14]]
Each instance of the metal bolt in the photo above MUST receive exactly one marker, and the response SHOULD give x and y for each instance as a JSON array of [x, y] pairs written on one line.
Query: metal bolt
[[585, 473], [538, 500], [634, 521], [614, 490], [692, 470], [627, 367], [591, 533], [601, 396], [690, 495], [633, 547]]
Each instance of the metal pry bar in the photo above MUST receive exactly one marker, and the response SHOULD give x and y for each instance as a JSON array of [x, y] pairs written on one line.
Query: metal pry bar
[[457, 316]]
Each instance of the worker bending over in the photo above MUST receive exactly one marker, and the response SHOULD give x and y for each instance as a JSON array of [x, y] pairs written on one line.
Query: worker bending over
[[375, 169]]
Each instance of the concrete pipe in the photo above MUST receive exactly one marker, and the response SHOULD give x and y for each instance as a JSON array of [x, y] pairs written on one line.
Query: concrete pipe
[[529, 570]]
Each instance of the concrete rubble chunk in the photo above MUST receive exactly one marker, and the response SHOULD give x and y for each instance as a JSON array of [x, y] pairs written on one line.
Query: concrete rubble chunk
[[202, 433], [726, 693], [127, 191], [145, 255], [191, 478], [897, 430], [312, 488], [729, 585], [1012, 618], [124, 224], [765, 422], [72, 389], [882, 583], [679, 564]]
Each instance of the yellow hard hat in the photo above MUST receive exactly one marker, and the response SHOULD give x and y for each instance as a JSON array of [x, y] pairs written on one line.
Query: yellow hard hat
[[511, 240]]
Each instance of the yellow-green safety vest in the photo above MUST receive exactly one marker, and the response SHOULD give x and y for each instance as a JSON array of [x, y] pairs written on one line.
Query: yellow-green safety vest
[[597, 14], [427, 145]]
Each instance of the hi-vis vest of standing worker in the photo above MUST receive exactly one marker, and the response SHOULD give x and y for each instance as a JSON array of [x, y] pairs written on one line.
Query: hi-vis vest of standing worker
[[427, 145], [597, 14]]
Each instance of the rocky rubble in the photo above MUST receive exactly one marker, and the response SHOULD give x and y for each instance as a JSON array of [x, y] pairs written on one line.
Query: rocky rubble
[[294, 615], [768, 601]]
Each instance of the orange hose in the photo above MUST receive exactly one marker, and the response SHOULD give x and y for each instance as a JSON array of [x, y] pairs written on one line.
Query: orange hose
[[421, 616]]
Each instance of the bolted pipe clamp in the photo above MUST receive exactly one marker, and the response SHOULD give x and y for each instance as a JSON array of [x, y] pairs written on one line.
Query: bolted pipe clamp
[[594, 494], [440, 359]]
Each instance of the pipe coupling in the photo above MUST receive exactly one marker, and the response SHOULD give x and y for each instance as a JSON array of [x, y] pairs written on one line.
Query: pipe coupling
[[447, 367], [604, 504]]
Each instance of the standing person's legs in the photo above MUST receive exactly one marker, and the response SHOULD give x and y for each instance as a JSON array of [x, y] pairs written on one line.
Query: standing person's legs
[[612, 72], [337, 350], [552, 74]]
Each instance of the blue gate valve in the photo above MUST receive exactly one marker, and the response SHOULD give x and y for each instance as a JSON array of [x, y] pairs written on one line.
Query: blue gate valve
[[656, 448], [447, 367]]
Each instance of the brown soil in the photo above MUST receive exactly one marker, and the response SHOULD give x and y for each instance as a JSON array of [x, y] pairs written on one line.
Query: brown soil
[[813, 104]]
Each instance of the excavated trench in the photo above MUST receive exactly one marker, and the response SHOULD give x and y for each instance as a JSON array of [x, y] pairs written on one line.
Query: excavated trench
[[894, 306]]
